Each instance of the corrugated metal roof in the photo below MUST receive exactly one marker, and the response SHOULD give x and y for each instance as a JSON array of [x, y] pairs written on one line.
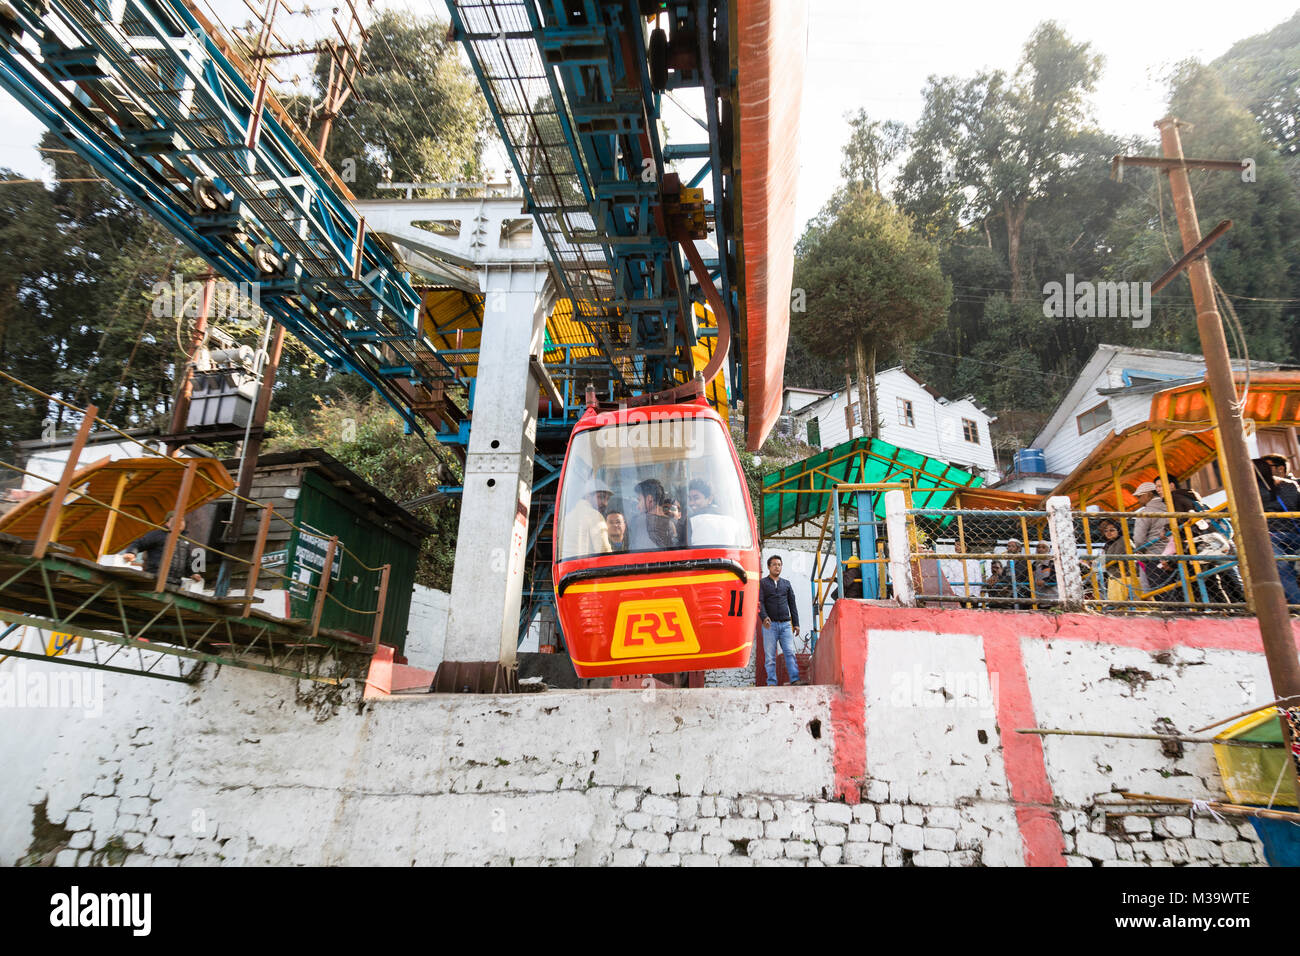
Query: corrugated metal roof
[[790, 496]]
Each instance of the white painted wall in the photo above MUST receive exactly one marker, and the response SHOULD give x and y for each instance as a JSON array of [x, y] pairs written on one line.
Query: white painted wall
[[925, 744], [50, 464], [253, 768], [426, 629], [937, 431]]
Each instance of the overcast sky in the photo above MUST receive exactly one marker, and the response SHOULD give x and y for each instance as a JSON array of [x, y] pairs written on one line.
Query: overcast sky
[[877, 56]]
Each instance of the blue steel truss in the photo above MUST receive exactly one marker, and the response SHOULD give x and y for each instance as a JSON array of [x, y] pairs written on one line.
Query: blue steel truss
[[152, 100], [569, 86]]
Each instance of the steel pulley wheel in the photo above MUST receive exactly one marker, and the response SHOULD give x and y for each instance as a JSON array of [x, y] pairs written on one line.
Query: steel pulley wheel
[[267, 260], [657, 53], [726, 135], [208, 197]]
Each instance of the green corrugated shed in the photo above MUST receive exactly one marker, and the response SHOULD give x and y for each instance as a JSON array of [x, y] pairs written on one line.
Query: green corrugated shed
[[323, 497], [857, 461]]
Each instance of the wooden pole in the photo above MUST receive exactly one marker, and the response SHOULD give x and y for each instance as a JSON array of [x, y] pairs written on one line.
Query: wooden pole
[[1048, 732], [258, 547], [178, 519], [324, 585], [51, 519], [180, 414], [252, 449], [110, 523], [383, 599], [1235, 809], [1244, 713], [1270, 604]]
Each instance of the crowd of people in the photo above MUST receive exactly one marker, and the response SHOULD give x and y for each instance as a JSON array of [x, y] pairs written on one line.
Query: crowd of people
[[1138, 559]]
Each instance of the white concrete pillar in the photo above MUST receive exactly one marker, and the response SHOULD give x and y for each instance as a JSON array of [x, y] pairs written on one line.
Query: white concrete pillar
[[1065, 552], [487, 580], [900, 556]]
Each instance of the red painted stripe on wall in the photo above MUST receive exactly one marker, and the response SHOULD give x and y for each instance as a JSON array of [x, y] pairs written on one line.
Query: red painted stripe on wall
[[1022, 754], [845, 663]]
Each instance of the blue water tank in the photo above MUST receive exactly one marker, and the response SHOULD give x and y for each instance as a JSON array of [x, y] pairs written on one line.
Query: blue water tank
[[1031, 461]]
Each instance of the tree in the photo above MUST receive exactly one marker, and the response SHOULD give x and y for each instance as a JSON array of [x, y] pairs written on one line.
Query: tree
[[417, 114], [872, 145], [75, 304], [870, 280], [987, 148], [1262, 73], [367, 436]]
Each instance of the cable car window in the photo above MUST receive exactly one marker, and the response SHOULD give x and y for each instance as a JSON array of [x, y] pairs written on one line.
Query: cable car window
[[662, 483]]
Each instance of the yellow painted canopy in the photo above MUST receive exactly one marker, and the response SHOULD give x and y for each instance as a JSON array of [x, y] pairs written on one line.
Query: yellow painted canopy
[[145, 489]]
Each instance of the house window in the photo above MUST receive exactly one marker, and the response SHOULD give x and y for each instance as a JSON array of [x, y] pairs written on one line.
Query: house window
[[905, 416], [814, 432], [970, 430], [1097, 415]]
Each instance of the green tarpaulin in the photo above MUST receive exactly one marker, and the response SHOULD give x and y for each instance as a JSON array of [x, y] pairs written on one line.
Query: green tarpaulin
[[857, 461]]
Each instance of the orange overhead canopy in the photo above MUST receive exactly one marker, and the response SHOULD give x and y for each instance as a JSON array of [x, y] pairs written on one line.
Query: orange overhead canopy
[[1272, 401], [771, 38], [1131, 455], [148, 486], [1181, 417]]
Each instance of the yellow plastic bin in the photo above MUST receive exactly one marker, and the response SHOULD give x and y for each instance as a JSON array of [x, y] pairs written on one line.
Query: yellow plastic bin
[[1251, 775]]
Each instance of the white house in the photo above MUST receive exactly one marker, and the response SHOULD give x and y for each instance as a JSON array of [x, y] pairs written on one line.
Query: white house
[[1111, 393], [912, 415]]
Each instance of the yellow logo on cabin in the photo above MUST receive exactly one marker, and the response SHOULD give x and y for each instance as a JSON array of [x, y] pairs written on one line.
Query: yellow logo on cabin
[[658, 627]]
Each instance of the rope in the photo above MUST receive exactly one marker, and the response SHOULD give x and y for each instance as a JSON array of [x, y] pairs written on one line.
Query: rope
[[1203, 806]]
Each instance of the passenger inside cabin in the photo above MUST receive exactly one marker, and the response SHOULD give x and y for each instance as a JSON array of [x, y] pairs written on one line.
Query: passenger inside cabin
[[673, 511], [616, 527], [585, 530], [707, 526], [651, 529]]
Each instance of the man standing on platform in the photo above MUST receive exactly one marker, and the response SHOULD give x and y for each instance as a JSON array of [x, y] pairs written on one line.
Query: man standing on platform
[[780, 617]]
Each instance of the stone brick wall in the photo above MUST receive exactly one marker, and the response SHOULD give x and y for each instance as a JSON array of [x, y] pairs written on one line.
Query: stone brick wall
[[1125, 836], [251, 768], [648, 829]]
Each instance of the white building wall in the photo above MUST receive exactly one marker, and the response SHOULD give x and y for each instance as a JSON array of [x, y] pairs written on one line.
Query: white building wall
[[49, 464], [1064, 448], [249, 768], [937, 431]]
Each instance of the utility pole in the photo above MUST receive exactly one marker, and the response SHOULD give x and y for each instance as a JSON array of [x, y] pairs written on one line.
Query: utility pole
[[1252, 534], [849, 417]]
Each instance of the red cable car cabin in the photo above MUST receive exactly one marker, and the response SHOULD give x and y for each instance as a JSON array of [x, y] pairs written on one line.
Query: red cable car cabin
[[656, 553]]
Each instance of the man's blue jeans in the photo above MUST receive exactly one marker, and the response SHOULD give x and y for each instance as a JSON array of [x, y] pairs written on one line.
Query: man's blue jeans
[[779, 631]]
